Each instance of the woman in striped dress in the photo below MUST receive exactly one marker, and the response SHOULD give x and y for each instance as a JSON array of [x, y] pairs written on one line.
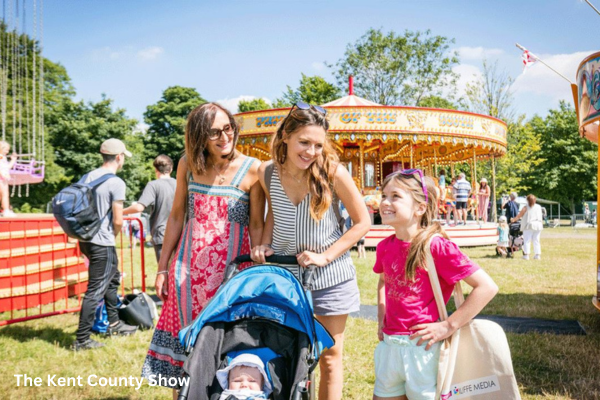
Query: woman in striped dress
[[303, 184], [219, 189]]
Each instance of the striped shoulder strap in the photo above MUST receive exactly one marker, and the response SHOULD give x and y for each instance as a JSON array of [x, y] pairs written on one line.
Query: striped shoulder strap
[[239, 176]]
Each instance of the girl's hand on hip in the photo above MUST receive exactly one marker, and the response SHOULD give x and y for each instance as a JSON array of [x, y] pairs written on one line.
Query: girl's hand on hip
[[161, 285], [431, 333], [260, 253], [308, 258]]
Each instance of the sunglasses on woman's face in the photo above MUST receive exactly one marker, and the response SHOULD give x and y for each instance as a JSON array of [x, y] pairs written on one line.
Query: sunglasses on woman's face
[[412, 172], [304, 106], [215, 134]]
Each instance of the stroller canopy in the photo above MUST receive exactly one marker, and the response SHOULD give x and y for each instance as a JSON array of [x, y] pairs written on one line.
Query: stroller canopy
[[263, 291]]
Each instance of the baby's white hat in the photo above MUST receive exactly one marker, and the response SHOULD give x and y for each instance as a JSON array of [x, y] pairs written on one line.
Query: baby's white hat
[[502, 219], [248, 360]]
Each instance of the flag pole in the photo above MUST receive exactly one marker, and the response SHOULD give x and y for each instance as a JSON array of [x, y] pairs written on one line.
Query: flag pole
[[540, 60], [591, 5]]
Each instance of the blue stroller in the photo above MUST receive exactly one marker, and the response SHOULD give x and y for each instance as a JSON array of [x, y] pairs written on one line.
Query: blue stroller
[[264, 310]]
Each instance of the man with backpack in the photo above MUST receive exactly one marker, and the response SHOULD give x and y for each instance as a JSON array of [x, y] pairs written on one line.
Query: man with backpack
[[103, 272]]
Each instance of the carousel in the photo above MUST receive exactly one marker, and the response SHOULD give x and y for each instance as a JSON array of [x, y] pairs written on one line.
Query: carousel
[[374, 140], [586, 93]]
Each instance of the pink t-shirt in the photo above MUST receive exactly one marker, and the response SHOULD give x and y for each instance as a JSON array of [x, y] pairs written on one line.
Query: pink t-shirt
[[411, 303]]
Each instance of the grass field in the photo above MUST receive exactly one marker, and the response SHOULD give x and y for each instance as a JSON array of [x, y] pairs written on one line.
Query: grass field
[[547, 366]]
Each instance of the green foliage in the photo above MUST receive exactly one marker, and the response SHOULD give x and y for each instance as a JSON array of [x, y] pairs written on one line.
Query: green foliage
[[76, 131], [166, 120], [522, 160], [396, 69], [438, 102], [253, 105], [312, 90], [569, 171]]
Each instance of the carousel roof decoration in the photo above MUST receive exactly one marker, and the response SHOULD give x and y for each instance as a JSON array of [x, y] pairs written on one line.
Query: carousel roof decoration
[[374, 139]]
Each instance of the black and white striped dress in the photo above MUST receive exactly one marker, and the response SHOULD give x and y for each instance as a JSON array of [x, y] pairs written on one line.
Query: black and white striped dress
[[296, 231]]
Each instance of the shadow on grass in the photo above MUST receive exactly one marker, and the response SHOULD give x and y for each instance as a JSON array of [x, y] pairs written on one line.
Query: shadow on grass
[[24, 334]]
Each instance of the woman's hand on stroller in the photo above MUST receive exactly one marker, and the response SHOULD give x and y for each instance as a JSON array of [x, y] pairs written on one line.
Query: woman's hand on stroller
[[260, 253], [308, 258]]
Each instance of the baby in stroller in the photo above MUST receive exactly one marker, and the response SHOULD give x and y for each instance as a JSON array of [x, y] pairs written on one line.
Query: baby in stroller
[[244, 379]]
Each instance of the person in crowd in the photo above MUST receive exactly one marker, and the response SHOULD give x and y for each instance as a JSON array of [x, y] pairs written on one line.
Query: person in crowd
[[450, 203], [104, 277], [303, 182], [442, 180], [511, 207], [245, 379], [483, 200], [587, 213], [5, 167], [160, 194], [218, 211], [532, 226], [409, 331], [503, 230], [462, 192]]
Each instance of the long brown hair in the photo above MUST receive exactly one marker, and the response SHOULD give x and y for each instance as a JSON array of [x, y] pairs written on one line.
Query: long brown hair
[[322, 171], [199, 123], [427, 226]]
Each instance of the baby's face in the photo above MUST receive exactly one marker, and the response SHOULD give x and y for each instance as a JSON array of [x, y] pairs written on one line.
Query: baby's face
[[243, 377], [4, 150]]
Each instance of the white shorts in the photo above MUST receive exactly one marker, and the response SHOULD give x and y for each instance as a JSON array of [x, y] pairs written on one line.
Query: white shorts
[[403, 368]]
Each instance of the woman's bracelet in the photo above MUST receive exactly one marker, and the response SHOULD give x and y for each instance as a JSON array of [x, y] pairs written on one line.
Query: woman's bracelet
[[162, 272]]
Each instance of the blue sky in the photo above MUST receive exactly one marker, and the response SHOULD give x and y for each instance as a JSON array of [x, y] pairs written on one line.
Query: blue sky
[[132, 50]]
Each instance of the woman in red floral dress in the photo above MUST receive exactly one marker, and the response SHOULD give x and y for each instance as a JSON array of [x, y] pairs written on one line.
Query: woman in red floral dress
[[218, 188]]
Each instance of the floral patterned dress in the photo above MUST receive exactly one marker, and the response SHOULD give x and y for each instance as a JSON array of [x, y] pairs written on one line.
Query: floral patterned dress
[[216, 232]]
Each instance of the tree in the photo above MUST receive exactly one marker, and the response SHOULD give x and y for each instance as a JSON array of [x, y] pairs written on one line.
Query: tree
[[438, 102], [253, 105], [568, 173], [77, 130], [396, 69], [312, 90], [166, 120], [491, 93]]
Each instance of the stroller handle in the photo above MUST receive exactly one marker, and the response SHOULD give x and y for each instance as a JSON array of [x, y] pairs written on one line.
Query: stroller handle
[[306, 276], [274, 259]]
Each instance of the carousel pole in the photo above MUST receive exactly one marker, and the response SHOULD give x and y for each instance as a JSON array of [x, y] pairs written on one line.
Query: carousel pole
[[362, 165], [411, 156], [494, 205], [474, 167], [451, 171]]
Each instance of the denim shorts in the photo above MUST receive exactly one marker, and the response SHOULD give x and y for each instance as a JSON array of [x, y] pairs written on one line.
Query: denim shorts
[[403, 368]]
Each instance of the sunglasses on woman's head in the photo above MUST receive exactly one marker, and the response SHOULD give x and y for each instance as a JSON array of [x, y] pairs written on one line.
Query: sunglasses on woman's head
[[305, 106], [412, 172]]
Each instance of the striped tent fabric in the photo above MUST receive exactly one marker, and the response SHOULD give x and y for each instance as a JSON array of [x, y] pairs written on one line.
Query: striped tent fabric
[[351, 101]]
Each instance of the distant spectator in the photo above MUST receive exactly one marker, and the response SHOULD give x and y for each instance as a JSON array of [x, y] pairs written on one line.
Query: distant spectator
[[159, 193], [532, 226], [502, 236], [511, 207], [483, 199], [462, 192], [442, 180], [103, 270], [5, 167], [587, 213]]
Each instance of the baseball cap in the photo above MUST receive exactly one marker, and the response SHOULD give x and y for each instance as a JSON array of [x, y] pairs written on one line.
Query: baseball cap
[[114, 147]]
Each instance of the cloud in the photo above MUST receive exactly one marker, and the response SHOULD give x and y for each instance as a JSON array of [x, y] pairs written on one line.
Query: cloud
[[107, 53], [141, 127], [150, 53], [232, 104], [318, 66], [541, 80], [478, 53], [468, 73]]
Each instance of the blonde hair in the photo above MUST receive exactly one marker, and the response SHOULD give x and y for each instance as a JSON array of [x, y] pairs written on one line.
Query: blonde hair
[[322, 171], [427, 226], [4, 145], [199, 124]]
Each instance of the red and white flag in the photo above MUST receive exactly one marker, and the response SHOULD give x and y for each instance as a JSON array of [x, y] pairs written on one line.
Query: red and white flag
[[528, 59]]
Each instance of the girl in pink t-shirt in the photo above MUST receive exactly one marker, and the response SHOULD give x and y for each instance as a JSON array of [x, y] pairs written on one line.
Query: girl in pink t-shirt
[[406, 359]]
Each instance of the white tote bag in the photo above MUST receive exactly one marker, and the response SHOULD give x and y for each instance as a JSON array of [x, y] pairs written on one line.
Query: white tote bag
[[475, 362]]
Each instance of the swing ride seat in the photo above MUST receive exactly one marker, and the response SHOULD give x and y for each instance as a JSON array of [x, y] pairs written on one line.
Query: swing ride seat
[[26, 172]]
